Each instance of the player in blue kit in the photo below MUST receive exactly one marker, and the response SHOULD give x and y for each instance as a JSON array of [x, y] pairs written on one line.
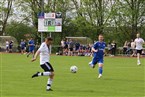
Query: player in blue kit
[[98, 54], [22, 45], [31, 45]]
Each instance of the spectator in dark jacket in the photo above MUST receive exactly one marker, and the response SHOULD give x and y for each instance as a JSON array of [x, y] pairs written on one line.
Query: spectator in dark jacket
[[114, 47]]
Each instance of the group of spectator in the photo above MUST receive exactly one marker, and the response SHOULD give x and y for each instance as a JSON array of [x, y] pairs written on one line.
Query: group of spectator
[[9, 46], [21, 48], [129, 48], [74, 48], [27, 47], [24, 47]]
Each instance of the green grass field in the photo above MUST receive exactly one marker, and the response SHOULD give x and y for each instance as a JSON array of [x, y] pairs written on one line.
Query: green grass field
[[121, 78]]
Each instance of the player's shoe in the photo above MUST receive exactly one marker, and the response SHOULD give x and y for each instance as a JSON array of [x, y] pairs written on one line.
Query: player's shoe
[[91, 65], [138, 64], [100, 75], [35, 75], [27, 56], [49, 89]]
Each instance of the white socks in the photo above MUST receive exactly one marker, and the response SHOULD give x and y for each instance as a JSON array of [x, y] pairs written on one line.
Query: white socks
[[49, 82], [138, 62], [44, 74]]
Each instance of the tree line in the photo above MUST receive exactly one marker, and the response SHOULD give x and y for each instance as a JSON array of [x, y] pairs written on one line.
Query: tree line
[[118, 20]]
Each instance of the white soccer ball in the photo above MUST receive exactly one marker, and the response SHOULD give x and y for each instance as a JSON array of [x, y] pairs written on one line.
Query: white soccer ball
[[73, 69]]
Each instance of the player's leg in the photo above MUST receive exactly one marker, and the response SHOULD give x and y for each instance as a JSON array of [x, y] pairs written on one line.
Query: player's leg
[[50, 79], [48, 71], [49, 82], [93, 62], [7, 49], [46, 67], [33, 53], [133, 53], [71, 51], [100, 70], [138, 57], [22, 50], [30, 51]]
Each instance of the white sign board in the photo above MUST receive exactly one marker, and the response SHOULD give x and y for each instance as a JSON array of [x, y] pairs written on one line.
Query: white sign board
[[50, 22]]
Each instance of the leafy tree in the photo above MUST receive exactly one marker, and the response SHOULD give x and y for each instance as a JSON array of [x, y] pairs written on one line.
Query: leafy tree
[[5, 12], [20, 30], [129, 16]]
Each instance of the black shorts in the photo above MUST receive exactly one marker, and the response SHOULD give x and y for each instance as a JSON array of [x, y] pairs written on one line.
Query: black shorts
[[10, 47], [47, 67], [65, 47], [71, 49], [139, 51], [22, 48]]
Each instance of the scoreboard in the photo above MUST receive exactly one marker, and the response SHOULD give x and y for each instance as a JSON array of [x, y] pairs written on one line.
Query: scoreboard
[[49, 22]]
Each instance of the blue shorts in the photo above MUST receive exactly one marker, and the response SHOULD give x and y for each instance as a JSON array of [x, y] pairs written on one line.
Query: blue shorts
[[31, 50], [97, 60], [10, 47], [22, 48]]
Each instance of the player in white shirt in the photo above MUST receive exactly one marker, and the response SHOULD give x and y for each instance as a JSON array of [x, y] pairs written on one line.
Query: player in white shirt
[[139, 46], [7, 46], [44, 52]]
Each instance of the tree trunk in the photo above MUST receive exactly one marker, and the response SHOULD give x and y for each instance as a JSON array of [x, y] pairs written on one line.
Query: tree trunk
[[6, 14]]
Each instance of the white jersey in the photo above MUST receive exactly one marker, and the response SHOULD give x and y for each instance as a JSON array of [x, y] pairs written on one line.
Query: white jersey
[[7, 43], [44, 53], [62, 43], [139, 43], [133, 45]]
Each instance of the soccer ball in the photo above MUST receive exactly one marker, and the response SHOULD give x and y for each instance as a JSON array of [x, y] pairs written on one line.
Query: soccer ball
[[73, 69]]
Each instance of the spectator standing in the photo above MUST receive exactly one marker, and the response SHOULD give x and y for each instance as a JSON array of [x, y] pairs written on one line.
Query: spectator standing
[[109, 48], [125, 47], [31, 45], [128, 51], [25, 46], [114, 46], [88, 50], [65, 49], [80, 50], [22, 45], [70, 46], [10, 46], [62, 43], [77, 45], [61, 49], [133, 48], [7, 46]]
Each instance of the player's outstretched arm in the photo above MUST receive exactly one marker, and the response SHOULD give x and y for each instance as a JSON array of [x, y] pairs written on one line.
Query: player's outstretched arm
[[36, 55]]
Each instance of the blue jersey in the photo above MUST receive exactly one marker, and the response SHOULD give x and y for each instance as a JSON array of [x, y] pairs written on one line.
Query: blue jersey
[[100, 46], [31, 44], [22, 44]]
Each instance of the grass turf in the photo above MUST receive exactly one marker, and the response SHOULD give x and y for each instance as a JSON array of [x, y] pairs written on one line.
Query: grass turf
[[121, 78]]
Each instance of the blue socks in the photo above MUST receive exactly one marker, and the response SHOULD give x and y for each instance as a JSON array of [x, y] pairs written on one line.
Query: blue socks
[[100, 70]]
